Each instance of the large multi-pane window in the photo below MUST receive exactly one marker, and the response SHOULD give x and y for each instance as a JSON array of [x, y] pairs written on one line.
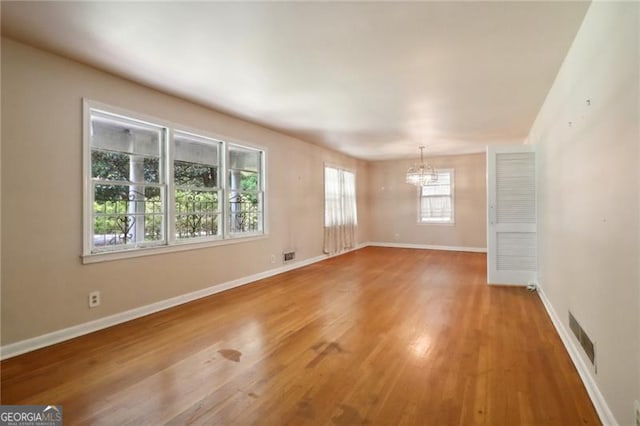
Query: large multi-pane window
[[149, 184]]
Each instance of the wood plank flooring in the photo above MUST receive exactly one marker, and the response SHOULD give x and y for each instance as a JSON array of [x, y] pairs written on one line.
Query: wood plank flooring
[[378, 336]]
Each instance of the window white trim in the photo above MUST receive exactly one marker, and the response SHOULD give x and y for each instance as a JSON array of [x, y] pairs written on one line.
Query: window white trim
[[452, 220], [87, 191], [177, 247], [220, 190], [228, 233], [171, 243], [171, 194]]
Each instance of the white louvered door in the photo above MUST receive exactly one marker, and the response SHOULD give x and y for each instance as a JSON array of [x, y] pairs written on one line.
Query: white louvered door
[[511, 231]]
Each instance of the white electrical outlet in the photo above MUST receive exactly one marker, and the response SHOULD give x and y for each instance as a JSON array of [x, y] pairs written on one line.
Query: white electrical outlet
[[94, 299], [273, 258]]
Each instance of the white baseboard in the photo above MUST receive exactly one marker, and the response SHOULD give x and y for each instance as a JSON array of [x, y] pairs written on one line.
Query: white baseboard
[[31, 344], [428, 247], [28, 345], [600, 404]]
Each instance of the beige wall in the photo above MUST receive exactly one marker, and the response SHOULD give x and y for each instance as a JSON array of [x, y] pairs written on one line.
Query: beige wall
[[394, 204], [588, 190], [44, 284], [0, 205], [638, 178]]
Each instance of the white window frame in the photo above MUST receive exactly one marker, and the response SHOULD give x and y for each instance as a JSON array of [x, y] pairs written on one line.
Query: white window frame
[[219, 189], [452, 220], [172, 244], [261, 193]]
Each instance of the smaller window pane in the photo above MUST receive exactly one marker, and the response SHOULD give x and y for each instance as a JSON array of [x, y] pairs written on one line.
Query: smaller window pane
[[441, 187], [118, 134], [193, 149], [244, 181], [124, 167], [436, 208], [244, 159], [197, 214], [127, 215], [245, 212], [196, 161], [436, 189], [195, 175]]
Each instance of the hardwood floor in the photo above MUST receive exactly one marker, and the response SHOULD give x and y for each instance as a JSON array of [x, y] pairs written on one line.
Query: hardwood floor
[[377, 336]]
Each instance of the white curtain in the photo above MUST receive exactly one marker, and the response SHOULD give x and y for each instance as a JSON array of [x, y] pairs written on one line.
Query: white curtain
[[340, 213], [436, 208]]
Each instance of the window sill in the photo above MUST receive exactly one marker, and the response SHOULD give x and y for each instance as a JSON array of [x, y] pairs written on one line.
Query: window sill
[[437, 223], [176, 247]]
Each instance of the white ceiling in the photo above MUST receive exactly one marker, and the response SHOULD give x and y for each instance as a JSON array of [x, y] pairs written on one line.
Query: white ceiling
[[372, 80]]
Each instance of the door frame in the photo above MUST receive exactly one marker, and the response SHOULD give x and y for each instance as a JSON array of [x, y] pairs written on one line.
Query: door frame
[[515, 278]]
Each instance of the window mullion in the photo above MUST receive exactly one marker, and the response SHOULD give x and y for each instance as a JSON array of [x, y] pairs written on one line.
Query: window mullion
[[170, 208], [225, 215]]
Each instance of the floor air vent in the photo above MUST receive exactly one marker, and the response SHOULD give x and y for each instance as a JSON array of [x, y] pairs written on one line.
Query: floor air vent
[[583, 338], [288, 256]]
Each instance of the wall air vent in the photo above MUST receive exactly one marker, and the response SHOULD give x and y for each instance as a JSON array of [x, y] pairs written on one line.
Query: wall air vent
[[586, 343], [288, 256]]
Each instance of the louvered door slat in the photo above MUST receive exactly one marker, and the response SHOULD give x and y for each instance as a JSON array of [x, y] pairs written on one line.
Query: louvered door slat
[[515, 188], [511, 240]]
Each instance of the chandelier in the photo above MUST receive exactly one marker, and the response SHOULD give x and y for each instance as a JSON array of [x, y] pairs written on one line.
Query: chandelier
[[421, 174]]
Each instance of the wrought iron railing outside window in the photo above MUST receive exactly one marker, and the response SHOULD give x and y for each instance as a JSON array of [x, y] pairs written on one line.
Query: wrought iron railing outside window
[[245, 212], [127, 218], [197, 214]]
